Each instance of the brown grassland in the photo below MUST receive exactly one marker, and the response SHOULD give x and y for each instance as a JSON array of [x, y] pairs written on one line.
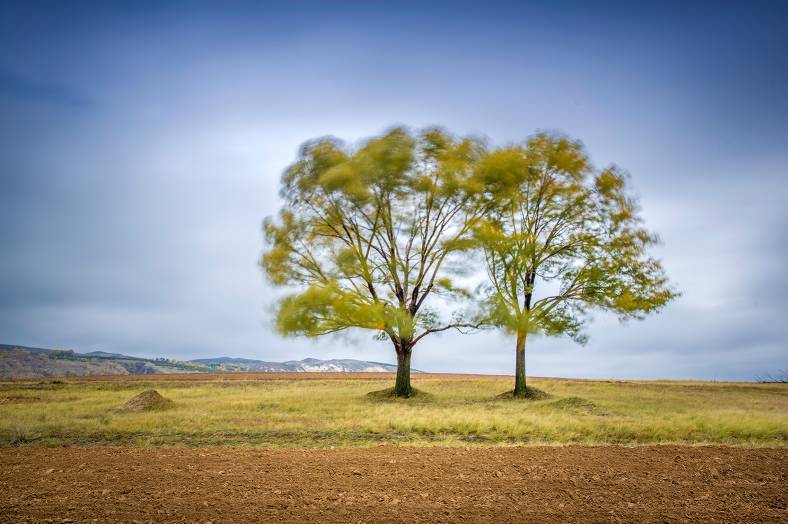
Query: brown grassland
[[334, 409]]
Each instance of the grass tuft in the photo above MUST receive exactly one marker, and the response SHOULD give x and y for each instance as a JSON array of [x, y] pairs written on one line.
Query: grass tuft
[[21, 436]]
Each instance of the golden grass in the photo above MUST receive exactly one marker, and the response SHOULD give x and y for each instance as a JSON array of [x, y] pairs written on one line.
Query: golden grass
[[457, 411]]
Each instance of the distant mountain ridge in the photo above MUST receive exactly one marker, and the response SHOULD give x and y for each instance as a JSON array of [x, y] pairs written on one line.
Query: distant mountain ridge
[[9, 347], [307, 364], [30, 362]]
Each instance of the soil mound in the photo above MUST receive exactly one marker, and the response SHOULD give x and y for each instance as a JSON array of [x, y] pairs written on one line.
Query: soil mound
[[530, 394], [148, 400], [580, 404], [388, 395]]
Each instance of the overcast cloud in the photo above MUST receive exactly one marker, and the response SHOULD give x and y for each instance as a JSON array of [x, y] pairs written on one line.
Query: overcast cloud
[[140, 148]]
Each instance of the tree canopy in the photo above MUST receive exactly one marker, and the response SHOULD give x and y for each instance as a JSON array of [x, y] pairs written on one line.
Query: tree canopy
[[562, 239], [368, 234]]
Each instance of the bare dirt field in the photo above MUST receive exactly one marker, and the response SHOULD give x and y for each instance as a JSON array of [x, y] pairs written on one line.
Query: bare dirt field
[[395, 484]]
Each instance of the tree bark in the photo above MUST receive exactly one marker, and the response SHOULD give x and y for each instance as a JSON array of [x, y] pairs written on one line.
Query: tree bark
[[519, 367], [402, 385]]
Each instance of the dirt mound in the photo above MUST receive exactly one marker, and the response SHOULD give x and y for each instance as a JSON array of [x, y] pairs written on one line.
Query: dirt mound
[[576, 404], [148, 400], [530, 394], [388, 395]]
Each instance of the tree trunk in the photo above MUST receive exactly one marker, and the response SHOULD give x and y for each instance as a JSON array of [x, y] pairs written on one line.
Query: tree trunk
[[402, 385], [519, 367]]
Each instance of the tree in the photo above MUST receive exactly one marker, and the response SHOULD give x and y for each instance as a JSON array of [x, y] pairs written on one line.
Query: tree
[[571, 233], [368, 235]]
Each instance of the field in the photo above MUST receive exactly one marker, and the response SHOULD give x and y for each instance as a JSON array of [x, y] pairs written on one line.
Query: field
[[321, 410], [247, 447], [395, 484]]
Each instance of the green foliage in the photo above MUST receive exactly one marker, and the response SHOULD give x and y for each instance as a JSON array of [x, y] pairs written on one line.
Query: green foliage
[[367, 235], [557, 222]]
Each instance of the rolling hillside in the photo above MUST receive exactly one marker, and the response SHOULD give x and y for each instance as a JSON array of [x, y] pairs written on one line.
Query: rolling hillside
[[308, 364], [32, 362]]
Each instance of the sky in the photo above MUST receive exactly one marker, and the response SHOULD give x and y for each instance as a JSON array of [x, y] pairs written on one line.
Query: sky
[[142, 144]]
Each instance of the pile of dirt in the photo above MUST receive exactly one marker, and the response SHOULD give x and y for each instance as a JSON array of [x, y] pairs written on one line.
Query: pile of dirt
[[148, 400], [388, 395], [530, 394], [576, 404]]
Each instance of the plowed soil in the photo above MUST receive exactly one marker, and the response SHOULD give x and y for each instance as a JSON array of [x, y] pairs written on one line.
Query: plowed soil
[[395, 484]]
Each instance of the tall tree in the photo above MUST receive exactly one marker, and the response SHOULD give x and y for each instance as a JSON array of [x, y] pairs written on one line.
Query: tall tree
[[367, 236], [563, 239]]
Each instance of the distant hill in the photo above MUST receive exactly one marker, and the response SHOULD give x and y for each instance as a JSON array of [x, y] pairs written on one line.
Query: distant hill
[[31, 362], [308, 364], [28, 362], [8, 347]]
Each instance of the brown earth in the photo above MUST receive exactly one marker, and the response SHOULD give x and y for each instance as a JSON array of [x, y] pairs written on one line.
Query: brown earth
[[395, 484], [148, 400]]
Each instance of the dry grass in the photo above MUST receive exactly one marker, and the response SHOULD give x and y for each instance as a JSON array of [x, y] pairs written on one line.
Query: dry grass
[[455, 410]]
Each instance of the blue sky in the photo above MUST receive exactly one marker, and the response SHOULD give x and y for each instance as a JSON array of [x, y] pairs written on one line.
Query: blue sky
[[141, 146]]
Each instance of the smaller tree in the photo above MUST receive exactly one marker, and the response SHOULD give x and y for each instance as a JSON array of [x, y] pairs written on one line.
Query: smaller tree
[[564, 230]]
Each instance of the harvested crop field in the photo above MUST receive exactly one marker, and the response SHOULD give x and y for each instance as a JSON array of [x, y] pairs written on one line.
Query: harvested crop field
[[395, 484]]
